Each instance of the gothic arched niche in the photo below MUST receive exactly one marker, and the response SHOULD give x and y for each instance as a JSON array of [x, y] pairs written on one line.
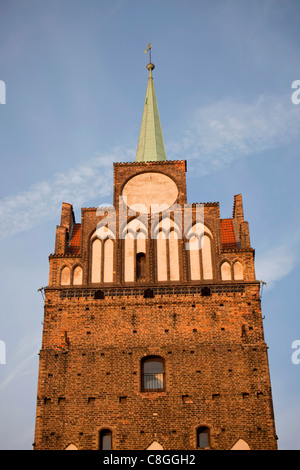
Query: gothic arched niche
[[200, 251], [65, 276], [238, 271], [77, 276], [225, 271]]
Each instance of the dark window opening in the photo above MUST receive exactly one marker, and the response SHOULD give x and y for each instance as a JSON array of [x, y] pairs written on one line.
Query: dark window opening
[[202, 437], [140, 266], [153, 375], [105, 439], [205, 291], [148, 294], [99, 295]]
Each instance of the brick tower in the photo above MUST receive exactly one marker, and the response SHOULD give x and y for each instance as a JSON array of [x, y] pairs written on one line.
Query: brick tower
[[153, 334]]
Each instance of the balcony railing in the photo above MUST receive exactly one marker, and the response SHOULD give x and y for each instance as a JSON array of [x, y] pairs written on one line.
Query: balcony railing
[[153, 382]]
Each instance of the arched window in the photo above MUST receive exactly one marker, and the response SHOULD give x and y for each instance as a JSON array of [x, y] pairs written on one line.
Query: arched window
[[203, 437], [65, 276], [77, 276], [167, 250], [200, 252], [102, 263], [105, 439], [153, 374], [225, 271], [238, 271]]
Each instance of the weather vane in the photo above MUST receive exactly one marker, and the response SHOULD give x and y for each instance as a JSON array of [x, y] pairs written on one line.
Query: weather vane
[[148, 49]]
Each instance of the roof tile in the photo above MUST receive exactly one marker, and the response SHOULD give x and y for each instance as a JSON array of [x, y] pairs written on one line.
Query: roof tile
[[228, 236], [75, 242]]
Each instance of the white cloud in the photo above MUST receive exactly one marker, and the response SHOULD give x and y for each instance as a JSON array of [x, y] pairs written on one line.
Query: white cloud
[[274, 265], [42, 201], [227, 130]]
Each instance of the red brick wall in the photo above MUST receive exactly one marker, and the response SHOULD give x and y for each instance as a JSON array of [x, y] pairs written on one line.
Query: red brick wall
[[213, 346]]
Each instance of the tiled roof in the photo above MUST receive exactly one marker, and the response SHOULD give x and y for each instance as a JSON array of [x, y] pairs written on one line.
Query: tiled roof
[[74, 245], [228, 236]]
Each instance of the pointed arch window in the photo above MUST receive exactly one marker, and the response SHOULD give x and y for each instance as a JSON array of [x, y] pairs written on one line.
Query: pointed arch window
[[65, 276], [102, 256], [77, 276], [167, 250], [225, 271], [238, 271], [200, 252]]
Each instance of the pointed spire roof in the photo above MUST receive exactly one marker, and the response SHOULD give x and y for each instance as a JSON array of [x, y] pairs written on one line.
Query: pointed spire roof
[[151, 146]]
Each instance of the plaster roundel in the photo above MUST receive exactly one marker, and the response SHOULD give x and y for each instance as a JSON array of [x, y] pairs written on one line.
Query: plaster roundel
[[150, 190]]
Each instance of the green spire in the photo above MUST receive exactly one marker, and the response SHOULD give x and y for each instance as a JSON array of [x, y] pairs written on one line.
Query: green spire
[[151, 146]]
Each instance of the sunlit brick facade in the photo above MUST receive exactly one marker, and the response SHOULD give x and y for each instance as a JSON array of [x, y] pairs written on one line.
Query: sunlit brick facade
[[153, 333]]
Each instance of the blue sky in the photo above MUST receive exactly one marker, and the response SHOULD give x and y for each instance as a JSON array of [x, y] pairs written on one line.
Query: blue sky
[[75, 85]]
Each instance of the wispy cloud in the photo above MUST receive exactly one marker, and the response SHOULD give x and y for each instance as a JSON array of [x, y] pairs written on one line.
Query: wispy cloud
[[215, 136], [227, 130], [274, 265], [42, 201]]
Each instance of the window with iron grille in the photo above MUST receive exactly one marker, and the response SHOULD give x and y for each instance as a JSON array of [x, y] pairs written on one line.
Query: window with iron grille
[[153, 374]]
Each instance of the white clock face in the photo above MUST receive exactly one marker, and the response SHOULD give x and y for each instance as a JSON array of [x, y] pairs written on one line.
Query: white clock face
[[150, 190]]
